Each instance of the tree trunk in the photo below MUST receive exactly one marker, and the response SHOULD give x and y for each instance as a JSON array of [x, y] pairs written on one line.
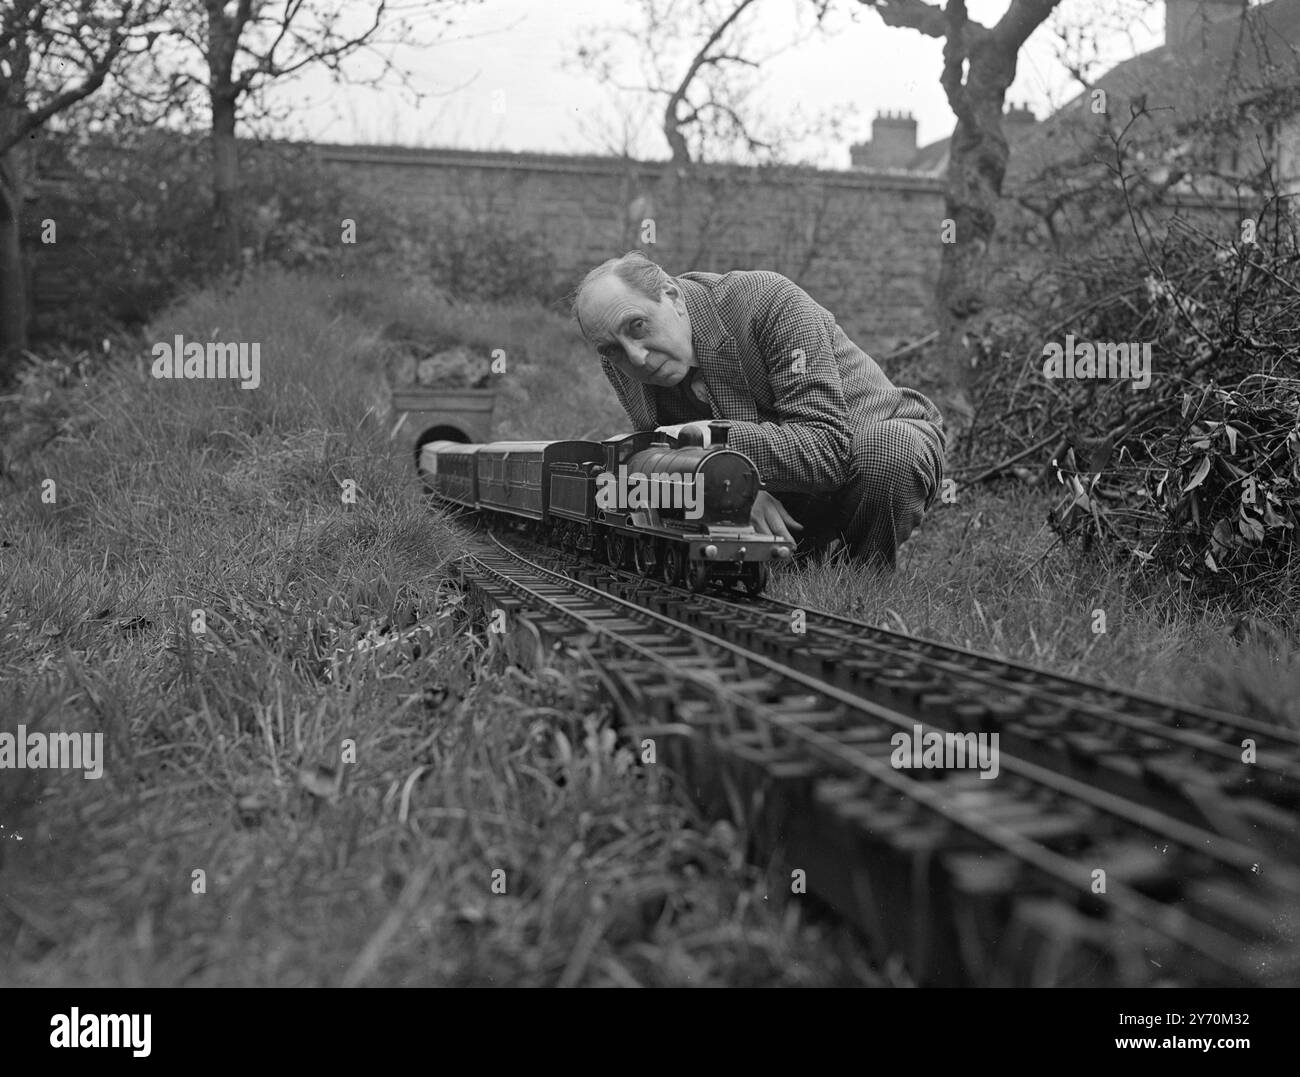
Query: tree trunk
[[225, 181], [13, 285], [977, 165]]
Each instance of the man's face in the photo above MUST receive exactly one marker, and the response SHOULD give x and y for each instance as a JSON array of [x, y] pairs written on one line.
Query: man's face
[[646, 339]]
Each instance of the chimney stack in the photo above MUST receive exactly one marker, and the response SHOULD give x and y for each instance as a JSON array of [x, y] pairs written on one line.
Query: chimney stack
[[892, 145], [1019, 115], [1186, 21]]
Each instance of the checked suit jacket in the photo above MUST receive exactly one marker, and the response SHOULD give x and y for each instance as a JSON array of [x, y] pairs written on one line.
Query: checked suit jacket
[[779, 367]]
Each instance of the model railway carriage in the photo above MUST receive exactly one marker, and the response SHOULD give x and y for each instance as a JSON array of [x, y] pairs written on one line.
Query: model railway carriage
[[665, 507], [448, 469], [515, 477]]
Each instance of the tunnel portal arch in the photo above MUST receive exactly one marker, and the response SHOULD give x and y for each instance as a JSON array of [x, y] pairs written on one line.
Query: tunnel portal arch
[[431, 414], [445, 432]]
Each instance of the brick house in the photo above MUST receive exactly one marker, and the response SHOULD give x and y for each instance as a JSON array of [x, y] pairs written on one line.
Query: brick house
[[1235, 76]]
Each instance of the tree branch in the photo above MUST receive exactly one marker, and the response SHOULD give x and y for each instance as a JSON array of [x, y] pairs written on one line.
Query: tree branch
[[911, 15], [1022, 18], [98, 71], [672, 125]]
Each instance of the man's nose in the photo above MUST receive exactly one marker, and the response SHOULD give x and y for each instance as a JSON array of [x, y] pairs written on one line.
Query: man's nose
[[636, 352]]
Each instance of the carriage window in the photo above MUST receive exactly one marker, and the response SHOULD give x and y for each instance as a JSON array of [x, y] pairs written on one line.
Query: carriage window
[[535, 472]]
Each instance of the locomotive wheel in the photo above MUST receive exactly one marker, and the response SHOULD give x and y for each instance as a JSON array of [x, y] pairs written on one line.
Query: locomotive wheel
[[673, 568], [697, 578], [755, 577], [646, 557], [616, 546]]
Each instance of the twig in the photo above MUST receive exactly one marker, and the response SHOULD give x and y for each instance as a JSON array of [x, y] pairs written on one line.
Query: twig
[[915, 345], [1037, 561], [1011, 460]]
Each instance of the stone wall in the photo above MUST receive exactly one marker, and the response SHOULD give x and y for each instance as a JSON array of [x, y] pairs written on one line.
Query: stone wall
[[863, 244]]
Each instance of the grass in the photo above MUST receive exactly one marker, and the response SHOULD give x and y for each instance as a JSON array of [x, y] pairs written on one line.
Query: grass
[[984, 573], [335, 633]]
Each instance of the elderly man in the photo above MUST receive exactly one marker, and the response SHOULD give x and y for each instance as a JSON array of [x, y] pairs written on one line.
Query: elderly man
[[850, 455]]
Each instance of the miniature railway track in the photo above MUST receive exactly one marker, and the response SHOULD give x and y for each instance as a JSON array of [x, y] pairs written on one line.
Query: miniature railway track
[[975, 881], [1186, 759]]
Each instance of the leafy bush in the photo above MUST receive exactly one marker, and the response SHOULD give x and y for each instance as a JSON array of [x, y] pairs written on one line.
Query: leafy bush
[[136, 226], [1198, 475], [135, 231], [487, 260]]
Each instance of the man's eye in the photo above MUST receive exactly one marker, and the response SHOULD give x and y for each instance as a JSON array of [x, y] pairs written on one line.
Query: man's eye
[[636, 328]]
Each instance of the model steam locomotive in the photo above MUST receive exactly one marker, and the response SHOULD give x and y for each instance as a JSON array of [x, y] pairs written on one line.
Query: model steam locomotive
[[667, 507]]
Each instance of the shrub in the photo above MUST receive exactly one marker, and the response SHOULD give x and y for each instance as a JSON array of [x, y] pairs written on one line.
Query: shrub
[[140, 203], [1198, 475], [488, 260]]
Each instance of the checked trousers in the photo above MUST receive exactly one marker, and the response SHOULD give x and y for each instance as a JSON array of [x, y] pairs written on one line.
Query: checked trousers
[[896, 473]]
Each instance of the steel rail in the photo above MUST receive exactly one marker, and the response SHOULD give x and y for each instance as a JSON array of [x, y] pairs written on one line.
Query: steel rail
[[911, 647], [1212, 943]]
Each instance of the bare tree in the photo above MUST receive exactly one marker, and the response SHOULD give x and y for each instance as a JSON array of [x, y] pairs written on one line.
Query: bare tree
[[698, 64], [979, 65], [710, 54], [53, 54], [232, 51]]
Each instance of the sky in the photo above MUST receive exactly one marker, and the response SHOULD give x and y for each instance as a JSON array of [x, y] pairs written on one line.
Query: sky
[[505, 76]]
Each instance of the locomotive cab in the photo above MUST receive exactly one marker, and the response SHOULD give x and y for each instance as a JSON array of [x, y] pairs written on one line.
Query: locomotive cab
[[620, 449]]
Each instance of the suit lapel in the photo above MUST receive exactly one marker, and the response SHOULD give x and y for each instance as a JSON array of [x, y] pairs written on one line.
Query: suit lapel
[[636, 397], [718, 355]]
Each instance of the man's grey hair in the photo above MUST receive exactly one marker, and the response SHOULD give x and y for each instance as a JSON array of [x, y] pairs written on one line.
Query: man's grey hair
[[634, 269]]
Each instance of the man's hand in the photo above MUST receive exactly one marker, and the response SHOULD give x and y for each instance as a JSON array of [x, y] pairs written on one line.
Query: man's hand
[[701, 425], [768, 517]]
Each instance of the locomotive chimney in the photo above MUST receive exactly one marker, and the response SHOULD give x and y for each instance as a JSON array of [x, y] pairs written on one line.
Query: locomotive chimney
[[718, 431]]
